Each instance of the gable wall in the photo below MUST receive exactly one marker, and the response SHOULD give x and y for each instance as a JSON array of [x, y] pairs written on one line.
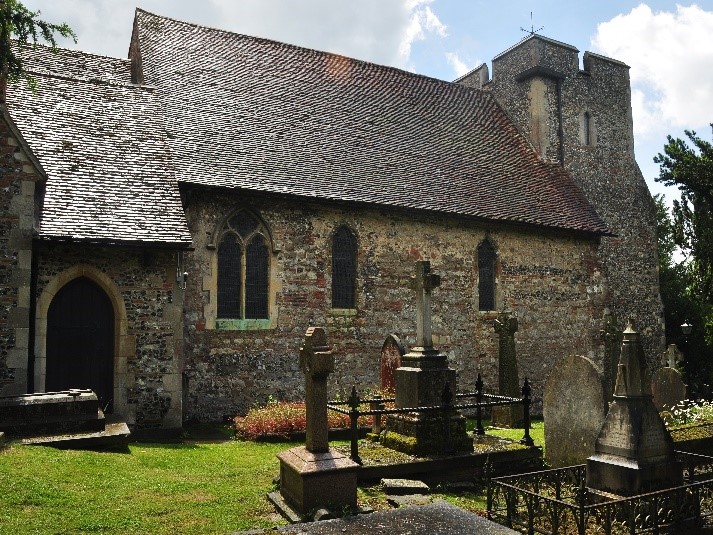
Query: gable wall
[[553, 283], [17, 189]]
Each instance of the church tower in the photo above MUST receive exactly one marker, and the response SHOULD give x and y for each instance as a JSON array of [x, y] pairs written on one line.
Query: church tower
[[581, 119]]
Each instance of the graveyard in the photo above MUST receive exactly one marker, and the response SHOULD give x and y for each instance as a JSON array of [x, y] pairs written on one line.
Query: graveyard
[[624, 452]]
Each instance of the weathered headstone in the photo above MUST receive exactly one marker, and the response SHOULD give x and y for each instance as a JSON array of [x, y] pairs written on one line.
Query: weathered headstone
[[634, 451], [315, 476], [391, 353], [673, 356], [573, 408], [668, 388], [421, 381], [508, 380], [611, 336]]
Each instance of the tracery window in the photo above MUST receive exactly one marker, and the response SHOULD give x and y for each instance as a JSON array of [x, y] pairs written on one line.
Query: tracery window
[[486, 275], [344, 268], [243, 268]]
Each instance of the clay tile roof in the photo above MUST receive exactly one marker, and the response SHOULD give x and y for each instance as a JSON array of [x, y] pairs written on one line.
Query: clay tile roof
[[101, 143], [254, 114]]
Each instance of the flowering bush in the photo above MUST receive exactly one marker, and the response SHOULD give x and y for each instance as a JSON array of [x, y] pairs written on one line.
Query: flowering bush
[[687, 412], [280, 418]]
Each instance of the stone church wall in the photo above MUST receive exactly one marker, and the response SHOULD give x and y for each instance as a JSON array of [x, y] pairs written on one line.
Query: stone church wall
[[540, 84], [18, 177], [148, 326], [553, 282]]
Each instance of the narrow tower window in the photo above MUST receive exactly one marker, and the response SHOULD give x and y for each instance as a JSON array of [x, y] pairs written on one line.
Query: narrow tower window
[[344, 257]]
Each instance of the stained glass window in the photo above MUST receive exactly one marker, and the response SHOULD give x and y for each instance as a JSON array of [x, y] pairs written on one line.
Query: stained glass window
[[243, 269], [486, 276], [344, 264]]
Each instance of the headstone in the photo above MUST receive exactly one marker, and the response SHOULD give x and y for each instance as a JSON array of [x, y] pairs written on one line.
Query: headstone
[[314, 475], [573, 408], [508, 381], [421, 382], [611, 336], [673, 356], [391, 353], [668, 388], [634, 450]]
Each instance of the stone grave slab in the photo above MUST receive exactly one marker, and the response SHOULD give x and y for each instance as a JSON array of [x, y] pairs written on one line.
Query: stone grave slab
[[438, 518], [573, 409], [668, 388], [404, 486]]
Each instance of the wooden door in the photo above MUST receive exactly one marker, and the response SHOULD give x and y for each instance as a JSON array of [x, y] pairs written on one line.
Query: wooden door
[[80, 341]]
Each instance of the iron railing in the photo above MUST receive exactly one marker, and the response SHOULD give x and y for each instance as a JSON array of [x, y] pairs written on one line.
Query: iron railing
[[377, 409]]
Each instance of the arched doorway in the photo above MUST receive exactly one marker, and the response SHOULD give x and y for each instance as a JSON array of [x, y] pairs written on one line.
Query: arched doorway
[[80, 340]]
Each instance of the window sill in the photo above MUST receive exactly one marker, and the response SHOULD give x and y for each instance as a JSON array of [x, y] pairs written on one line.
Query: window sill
[[344, 312], [242, 325]]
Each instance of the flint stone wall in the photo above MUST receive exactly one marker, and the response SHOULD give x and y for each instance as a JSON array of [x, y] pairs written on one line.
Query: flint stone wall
[[149, 346], [553, 283]]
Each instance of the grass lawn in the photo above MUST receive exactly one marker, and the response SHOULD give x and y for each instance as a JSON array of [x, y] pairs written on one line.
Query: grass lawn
[[157, 488], [173, 488]]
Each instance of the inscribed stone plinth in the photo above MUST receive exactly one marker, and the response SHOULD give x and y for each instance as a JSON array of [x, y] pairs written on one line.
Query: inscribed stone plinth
[[316, 476], [391, 353], [573, 409], [668, 388], [634, 450]]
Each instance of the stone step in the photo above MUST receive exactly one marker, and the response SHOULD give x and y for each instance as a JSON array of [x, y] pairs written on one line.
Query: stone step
[[114, 435], [401, 487]]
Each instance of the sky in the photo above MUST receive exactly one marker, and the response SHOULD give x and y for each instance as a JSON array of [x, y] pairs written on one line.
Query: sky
[[668, 45]]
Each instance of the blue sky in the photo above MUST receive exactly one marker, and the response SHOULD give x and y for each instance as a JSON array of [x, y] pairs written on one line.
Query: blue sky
[[667, 45]]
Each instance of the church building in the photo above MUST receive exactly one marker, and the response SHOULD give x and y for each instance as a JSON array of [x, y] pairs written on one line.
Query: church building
[[172, 223]]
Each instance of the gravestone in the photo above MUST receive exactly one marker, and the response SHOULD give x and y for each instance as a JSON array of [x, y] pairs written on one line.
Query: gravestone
[[508, 382], [573, 408], [315, 476], [634, 450], [668, 388], [611, 336], [421, 381], [673, 356], [391, 353]]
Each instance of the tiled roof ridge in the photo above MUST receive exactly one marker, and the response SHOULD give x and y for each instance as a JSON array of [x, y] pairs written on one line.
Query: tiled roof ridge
[[307, 49], [58, 49], [94, 81]]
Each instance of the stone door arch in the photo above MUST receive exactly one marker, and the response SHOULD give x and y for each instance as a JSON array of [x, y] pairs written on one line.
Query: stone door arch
[[111, 346]]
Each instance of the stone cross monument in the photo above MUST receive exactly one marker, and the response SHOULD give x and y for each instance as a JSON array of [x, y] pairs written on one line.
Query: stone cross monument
[[673, 356], [316, 362], [611, 336], [508, 382], [315, 476], [634, 451], [421, 382]]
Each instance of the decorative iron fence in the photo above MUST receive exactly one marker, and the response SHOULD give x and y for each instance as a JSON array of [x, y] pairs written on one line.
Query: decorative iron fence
[[557, 502], [378, 409]]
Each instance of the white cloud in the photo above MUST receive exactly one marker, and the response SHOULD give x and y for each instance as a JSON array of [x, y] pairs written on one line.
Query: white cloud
[[671, 64], [459, 66], [373, 30]]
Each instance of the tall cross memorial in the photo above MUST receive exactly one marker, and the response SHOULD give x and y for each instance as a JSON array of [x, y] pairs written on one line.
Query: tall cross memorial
[[315, 476], [508, 381], [421, 381]]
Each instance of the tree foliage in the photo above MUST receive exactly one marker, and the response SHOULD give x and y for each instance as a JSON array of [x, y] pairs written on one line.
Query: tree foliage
[[23, 25], [690, 168]]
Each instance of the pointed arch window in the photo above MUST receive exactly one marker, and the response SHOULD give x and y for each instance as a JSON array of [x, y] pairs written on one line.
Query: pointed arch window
[[344, 268], [486, 275], [243, 268]]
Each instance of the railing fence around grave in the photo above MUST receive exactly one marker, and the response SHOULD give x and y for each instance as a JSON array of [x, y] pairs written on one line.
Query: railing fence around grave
[[377, 409], [558, 502]]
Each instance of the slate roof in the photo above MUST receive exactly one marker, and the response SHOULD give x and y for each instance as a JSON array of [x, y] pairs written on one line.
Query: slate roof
[[253, 114], [101, 142]]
